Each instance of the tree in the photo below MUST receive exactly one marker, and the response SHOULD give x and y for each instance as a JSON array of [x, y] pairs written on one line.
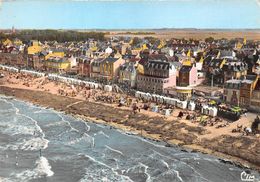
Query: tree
[[209, 39], [55, 35], [136, 41]]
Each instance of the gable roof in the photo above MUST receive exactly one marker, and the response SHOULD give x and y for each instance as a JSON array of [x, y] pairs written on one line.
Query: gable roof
[[185, 68]]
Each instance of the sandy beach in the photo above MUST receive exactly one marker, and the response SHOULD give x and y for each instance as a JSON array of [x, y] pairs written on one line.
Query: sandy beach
[[84, 103]]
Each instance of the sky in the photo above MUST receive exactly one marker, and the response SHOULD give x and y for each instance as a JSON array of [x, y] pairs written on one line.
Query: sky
[[131, 14]]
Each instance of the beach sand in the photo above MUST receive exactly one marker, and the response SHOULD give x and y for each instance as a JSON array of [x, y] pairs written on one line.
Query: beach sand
[[220, 142]]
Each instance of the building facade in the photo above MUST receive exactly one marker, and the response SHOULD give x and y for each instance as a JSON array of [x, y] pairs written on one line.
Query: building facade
[[158, 75]]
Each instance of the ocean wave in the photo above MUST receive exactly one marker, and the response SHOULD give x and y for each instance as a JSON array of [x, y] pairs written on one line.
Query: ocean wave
[[42, 169], [35, 144], [114, 150], [15, 129], [102, 133], [31, 144], [84, 137], [139, 171], [68, 123], [104, 175]]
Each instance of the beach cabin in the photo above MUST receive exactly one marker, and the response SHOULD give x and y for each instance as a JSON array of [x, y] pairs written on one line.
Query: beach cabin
[[147, 96], [9, 68], [137, 94], [33, 73], [160, 99], [210, 111], [205, 110]]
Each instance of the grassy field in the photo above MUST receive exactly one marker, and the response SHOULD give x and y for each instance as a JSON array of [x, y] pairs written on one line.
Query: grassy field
[[192, 33]]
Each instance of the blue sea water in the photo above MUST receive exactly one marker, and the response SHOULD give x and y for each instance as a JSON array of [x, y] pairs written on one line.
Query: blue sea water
[[39, 144]]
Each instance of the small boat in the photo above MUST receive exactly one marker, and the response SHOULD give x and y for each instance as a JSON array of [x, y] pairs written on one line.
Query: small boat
[[2, 75]]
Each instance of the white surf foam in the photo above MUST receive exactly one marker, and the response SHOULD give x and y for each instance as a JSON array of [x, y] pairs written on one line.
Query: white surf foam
[[42, 169], [15, 129], [89, 139], [114, 150], [102, 133], [35, 144], [67, 122]]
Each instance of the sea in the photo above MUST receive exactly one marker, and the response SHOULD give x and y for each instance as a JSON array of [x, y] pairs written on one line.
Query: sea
[[44, 145]]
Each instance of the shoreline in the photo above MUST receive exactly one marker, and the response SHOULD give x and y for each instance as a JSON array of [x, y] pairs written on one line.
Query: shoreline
[[105, 113]]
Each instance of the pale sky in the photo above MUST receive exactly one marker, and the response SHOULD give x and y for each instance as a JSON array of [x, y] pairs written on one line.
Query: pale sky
[[83, 14]]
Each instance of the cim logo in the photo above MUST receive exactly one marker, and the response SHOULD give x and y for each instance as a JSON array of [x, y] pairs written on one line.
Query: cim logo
[[247, 177]]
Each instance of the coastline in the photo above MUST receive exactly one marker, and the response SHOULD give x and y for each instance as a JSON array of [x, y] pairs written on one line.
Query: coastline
[[123, 119]]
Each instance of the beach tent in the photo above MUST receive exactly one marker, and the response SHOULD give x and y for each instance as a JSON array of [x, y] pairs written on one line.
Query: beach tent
[[191, 106], [182, 104], [167, 112], [204, 109], [108, 88], [213, 111], [155, 108]]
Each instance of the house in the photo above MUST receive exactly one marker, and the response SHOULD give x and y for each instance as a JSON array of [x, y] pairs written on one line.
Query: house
[[35, 61], [188, 76], [158, 75], [214, 70], [17, 42], [252, 61], [255, 96], [84, 66], [128, 74], [55, 53], [243, 92], [109, 68], [230, 54], [34, 47], [232, 91], [234, 70], [7, 42], [8, 58], [95, 67], [56, 64]]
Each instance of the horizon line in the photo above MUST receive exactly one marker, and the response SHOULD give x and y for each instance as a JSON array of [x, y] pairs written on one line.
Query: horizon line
[[133, 29]]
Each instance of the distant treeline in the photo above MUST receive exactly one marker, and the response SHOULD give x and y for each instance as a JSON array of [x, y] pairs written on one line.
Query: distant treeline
[[137, 33], [53, 35]]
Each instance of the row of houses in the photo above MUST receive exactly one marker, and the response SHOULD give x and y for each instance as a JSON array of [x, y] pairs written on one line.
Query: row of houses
[[159, 67]]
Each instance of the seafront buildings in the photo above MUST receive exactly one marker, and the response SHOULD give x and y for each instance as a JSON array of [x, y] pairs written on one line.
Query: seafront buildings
[[178, 68]]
